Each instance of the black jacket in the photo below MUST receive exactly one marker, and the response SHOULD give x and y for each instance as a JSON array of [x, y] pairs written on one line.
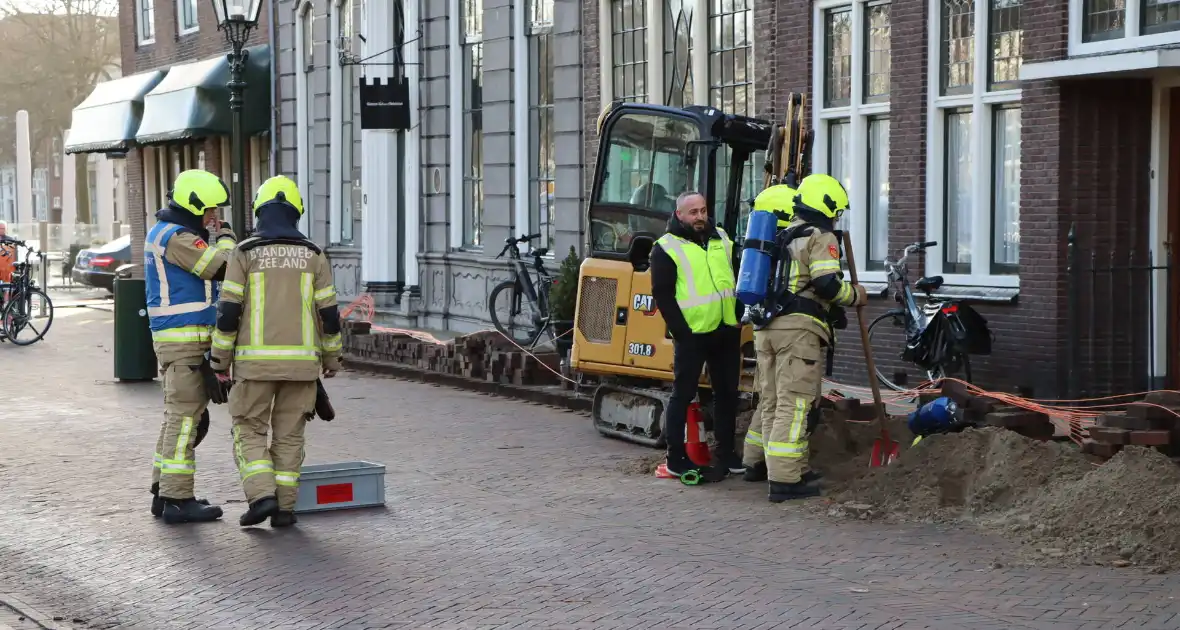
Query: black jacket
[[663, 278]]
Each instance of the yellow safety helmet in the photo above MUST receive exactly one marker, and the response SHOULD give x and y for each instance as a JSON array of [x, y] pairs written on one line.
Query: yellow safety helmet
[[196, 191], [779, 199], [823, 194], [278, 187]]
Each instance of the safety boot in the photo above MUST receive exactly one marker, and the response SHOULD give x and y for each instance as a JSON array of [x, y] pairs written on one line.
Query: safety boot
[[259, 511], [757, 472], [283, 518], [158, 502], [189, 511], [780, 492]]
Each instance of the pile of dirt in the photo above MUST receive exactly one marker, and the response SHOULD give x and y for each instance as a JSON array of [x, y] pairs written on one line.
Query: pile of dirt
[[964, 475], [644, 465], [840, 449], [1125, 511]]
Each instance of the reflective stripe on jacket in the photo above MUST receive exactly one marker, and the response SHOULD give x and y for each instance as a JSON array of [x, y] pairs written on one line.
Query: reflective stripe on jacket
[[179, 303], [704, 281]]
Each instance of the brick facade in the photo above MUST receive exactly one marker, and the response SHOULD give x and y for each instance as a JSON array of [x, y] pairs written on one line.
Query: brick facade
[[168, 49]]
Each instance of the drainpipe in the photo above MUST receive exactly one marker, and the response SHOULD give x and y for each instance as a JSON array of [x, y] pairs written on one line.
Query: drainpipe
[[274, 81]]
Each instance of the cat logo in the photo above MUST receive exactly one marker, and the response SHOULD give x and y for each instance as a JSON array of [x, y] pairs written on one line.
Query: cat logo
[[644, 304]]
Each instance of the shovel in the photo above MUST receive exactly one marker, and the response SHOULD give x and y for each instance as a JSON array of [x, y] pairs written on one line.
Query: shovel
[[884, 448]]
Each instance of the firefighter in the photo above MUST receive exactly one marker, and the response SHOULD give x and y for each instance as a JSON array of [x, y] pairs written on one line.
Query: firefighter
[[693, 285], [792, 345], [180, 268], [779, 200], [278, 324]]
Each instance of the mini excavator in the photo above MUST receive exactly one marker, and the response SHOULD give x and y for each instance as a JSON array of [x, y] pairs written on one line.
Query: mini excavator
[[648, 155]]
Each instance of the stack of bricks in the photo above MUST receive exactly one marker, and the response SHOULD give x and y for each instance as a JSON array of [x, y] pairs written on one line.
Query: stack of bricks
[[986, 411], [519, 368], [1154, 422]]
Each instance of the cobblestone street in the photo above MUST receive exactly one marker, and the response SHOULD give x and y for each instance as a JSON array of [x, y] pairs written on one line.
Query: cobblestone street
[[499, 514]]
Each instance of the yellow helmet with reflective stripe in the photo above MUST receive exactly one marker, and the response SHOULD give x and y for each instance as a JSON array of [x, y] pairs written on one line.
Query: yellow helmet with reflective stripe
[[823, 194], [196, 191], [279, 187], [779, 199]]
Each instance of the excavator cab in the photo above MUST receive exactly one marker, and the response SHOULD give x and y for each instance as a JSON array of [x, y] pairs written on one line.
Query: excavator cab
[[647, 156]]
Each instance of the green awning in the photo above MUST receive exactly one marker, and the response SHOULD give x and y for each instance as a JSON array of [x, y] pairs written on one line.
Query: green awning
[[193, 102], [109, 118]]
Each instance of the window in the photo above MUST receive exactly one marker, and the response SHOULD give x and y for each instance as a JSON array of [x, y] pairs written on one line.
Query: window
[[146, 21], [975, 182], [629, 50], [731, 88], [1105, 26], [543, 170], [186, 16], [348, 130], [678, 52], [853, 73], [473, 123]]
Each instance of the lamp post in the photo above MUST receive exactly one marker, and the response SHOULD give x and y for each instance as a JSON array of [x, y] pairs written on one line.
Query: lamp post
[[237, 18]]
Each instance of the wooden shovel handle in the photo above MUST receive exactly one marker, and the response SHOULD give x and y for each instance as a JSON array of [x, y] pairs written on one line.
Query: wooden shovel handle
[[864, 341]]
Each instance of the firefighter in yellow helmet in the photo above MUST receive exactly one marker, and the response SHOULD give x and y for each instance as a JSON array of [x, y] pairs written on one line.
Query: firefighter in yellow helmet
[[780, 200], [181, 266], [792, 344], [278, 325]]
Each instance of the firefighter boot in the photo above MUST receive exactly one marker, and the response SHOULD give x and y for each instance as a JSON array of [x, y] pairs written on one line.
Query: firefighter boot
[[757, 472], [259, 511], [283, 518], [780, 492], [158, 503], [189, 511]]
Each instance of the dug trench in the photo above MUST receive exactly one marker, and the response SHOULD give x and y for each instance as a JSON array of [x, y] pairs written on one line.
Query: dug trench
[[1060, 505]]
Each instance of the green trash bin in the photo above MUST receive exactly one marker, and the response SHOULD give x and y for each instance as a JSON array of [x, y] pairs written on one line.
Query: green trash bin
[[135, 359]]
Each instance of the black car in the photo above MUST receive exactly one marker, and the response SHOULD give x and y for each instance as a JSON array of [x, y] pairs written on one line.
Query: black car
[[96, 267]]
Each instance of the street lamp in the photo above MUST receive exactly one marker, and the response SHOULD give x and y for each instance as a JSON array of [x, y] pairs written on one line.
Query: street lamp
[[237, 18]]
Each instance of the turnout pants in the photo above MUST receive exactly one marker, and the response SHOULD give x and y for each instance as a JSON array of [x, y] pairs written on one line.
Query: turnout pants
[[790, 381], [720, 350], [185, 399], [282, 409]]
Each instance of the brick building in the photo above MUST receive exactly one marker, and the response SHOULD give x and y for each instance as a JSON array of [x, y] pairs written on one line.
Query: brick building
[[170, 110], [964, 121]]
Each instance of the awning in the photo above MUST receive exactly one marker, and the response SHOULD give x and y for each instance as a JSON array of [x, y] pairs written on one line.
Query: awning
[[109, 118], [193, 102]]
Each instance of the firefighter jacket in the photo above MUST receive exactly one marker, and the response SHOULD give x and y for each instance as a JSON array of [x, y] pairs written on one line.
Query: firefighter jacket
[[180, 268], [277, 319], [703, 277], [815, 275]]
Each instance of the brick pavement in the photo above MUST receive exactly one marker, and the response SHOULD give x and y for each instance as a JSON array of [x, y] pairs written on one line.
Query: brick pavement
[[499, 514]]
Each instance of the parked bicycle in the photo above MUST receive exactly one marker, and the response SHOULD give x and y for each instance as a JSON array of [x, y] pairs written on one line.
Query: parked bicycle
[[939, 335], [22, 301], [519, 307]]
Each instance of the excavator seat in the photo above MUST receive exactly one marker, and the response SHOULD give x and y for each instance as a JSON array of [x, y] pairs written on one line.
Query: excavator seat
[[639, 253], [928, 285]]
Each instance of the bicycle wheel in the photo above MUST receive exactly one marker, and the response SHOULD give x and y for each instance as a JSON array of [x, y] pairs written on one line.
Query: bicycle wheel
[[958, 367], [513, 315], [889, 324], [22, 319]]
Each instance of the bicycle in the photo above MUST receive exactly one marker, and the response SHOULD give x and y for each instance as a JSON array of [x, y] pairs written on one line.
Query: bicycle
[[537, 321], [939, 335], [22, 301]]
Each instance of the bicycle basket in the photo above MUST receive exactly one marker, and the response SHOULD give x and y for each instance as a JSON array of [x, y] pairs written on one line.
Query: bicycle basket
[[968, 329]]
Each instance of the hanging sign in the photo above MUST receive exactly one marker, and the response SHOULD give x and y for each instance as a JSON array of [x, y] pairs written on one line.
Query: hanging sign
[[385, 103]]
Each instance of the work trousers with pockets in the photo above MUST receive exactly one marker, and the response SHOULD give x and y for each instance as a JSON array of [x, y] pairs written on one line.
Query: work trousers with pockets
[[790, 381], [280, 408], [720, 350], [185, 399]]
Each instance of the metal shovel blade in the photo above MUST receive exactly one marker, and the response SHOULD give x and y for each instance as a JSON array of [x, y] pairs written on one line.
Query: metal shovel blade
[[884, 452]]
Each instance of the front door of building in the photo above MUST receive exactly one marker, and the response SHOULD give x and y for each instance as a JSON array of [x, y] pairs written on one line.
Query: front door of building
[[1172, 239]]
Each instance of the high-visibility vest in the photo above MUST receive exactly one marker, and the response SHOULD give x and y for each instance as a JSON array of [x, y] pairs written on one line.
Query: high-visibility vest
[[704, 280], [181, 307]]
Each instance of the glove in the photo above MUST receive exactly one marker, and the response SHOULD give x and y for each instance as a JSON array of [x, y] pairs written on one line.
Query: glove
[[217, 384], [323, 406], [862, 295], [202, 428]]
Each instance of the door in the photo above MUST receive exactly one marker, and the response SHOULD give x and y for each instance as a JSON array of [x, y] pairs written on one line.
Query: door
[[1173, 238]]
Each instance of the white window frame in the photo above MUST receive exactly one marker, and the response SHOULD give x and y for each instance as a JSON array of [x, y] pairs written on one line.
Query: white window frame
[[181, 29], [857, 113], [982, 103], [145, 33], [305, 15], [459, 146], [1131, 39], [527, 169]]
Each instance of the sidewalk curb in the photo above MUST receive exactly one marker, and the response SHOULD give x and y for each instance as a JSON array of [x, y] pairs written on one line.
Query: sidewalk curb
[[568, 402], [39, 618]]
